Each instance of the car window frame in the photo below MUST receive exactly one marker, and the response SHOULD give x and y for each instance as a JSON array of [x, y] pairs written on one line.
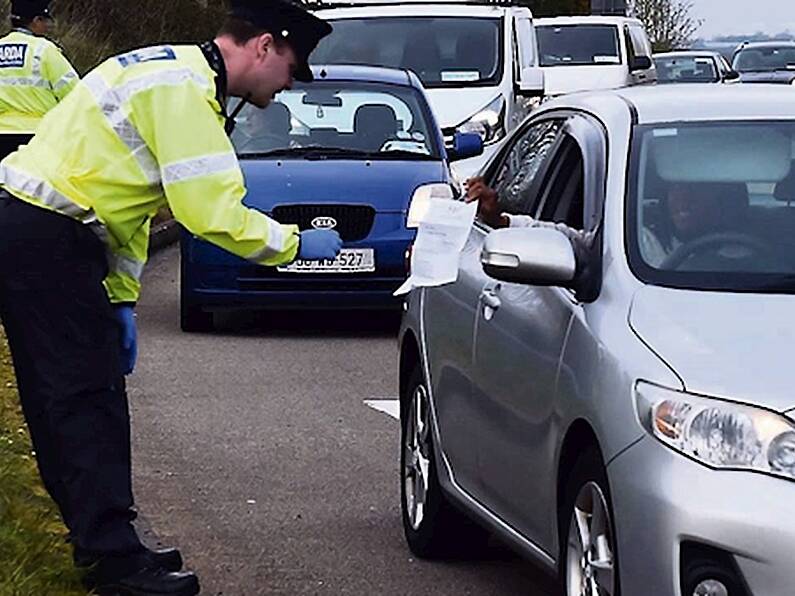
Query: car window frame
[[591, 136], [499, 162]]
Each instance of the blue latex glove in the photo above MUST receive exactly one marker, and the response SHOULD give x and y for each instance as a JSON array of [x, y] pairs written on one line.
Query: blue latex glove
[[129, 338], [319, 244]]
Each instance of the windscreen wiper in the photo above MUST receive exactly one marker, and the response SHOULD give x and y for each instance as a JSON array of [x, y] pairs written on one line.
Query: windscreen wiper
[[405, 154], [311, 152]]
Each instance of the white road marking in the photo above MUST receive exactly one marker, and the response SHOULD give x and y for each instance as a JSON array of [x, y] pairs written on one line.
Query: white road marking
[[391, 407]]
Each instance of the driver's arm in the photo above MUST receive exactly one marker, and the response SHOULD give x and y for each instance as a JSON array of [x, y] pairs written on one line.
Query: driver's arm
[[488, 208]]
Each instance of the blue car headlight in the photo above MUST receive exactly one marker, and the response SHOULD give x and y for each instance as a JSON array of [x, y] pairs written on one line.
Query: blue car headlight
[[718, 433]]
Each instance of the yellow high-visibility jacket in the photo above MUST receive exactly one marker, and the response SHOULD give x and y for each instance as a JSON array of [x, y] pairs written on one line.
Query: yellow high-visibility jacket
[[140, 131], [34, 77]]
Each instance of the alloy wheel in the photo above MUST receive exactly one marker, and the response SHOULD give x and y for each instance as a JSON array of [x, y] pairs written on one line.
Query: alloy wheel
[[590, 548], [416, 458]]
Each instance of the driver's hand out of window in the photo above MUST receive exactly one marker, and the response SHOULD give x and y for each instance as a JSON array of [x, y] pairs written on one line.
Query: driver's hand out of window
[[488, 207]]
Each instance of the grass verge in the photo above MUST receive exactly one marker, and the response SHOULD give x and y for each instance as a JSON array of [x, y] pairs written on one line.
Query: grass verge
[[34, 559]]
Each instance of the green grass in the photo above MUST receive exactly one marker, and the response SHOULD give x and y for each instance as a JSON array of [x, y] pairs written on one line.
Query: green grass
[[34, 559]]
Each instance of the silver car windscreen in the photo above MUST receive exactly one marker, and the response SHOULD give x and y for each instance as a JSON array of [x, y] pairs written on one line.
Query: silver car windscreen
[[712, 205]]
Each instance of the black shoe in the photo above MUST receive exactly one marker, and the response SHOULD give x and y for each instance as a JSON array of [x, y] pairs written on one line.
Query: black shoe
[[151, 582], [169, 559]]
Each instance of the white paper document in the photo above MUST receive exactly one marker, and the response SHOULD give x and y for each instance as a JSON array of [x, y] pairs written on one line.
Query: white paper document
[[443, 227]]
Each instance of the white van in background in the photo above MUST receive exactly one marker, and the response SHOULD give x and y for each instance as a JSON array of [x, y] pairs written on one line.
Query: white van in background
[[584, 53], [478, 61]]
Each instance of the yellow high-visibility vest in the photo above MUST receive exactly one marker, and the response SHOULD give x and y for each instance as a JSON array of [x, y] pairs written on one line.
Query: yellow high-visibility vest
[[34, 77], [142, 130]]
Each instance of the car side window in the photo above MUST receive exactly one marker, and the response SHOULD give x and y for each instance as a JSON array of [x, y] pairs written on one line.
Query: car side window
[[525, 36], [630, 49], [563, 195], [639, 41], [518, 176], [573, 189]]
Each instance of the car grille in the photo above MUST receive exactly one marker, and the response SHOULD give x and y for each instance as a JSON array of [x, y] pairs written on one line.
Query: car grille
[[354, 222]]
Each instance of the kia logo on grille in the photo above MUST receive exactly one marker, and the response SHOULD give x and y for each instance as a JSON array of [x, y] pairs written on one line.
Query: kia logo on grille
[[324, 223]]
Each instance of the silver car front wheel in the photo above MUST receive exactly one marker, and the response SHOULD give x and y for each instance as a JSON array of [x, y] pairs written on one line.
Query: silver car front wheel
[[590, 548], [416, 456], [588, 557], [434, 528]]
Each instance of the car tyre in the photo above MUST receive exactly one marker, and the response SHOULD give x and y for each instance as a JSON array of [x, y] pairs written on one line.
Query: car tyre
[[588, 555], [433, 527]]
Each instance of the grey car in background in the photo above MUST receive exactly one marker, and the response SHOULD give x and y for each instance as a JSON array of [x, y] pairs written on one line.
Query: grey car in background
[[693, 66], [766, 62], [619, 409]]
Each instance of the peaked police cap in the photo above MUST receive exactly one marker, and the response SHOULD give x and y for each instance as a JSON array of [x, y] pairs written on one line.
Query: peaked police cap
[[288, 21], [30, 8]]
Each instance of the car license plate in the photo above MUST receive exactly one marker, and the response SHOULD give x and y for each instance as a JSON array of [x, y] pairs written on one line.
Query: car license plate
[[350, 260]]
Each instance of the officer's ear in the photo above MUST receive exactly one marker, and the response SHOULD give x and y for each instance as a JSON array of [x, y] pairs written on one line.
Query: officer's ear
[[265, 43]]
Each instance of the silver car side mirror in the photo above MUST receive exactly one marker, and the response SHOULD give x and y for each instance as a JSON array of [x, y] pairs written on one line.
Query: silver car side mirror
[[531, 82], [535, 256]]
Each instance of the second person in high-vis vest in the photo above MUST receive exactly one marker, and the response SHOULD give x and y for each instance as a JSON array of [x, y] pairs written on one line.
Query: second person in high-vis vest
[[34, 73], [143, 130]]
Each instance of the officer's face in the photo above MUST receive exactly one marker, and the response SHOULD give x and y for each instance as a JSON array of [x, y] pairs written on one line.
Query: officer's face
[[41, 25], [273, 71]]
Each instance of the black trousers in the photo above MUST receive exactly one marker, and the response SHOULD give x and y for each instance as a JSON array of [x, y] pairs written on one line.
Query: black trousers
[[64, 342], [10, 142]]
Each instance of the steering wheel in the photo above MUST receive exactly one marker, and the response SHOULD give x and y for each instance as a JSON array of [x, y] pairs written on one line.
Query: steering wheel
[[710, 241]]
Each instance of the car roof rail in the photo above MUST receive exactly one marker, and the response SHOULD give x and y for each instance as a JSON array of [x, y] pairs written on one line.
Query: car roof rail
[[321, 4]]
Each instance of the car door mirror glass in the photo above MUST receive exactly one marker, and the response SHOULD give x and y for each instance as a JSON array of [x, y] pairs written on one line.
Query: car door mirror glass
[[465, 145], [534, 256], [531, 82], [732, 75], [640, 63]]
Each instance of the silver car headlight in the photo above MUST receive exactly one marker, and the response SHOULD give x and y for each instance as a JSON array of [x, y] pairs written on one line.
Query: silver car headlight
[[718, 433], [489, 122]]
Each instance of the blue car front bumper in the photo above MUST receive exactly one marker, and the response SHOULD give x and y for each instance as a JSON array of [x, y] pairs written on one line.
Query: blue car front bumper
[[214, 279]]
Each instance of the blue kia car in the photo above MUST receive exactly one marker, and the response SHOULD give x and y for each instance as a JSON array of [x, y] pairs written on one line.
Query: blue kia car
[[345, 152]]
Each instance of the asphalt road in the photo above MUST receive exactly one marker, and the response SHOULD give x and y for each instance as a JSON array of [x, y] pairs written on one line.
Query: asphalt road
[[255, 454]]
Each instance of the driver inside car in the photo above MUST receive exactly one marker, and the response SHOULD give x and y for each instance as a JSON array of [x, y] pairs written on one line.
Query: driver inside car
[[689, 211]]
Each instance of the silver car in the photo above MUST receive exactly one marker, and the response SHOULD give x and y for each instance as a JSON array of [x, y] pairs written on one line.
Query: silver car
[[693, 66], [619, 407]]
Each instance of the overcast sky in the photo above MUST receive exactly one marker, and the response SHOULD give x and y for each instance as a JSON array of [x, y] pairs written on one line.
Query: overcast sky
[[726, 17]]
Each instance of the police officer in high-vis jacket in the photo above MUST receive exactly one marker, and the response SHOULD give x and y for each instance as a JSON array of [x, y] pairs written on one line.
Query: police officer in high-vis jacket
[[143, 130], [34, 73]]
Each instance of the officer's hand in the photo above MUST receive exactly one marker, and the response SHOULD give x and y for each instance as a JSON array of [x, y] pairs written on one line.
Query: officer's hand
[[129, 338], [319, 244], [488, 202]]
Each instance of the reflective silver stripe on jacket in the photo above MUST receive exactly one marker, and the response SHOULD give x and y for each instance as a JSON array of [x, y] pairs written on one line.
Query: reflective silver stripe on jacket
[[24, 184], [274, 244], [112, 99], [64, 81], [110, 103], [24, 82], [126, 265], [199, 167], [37, 55]]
